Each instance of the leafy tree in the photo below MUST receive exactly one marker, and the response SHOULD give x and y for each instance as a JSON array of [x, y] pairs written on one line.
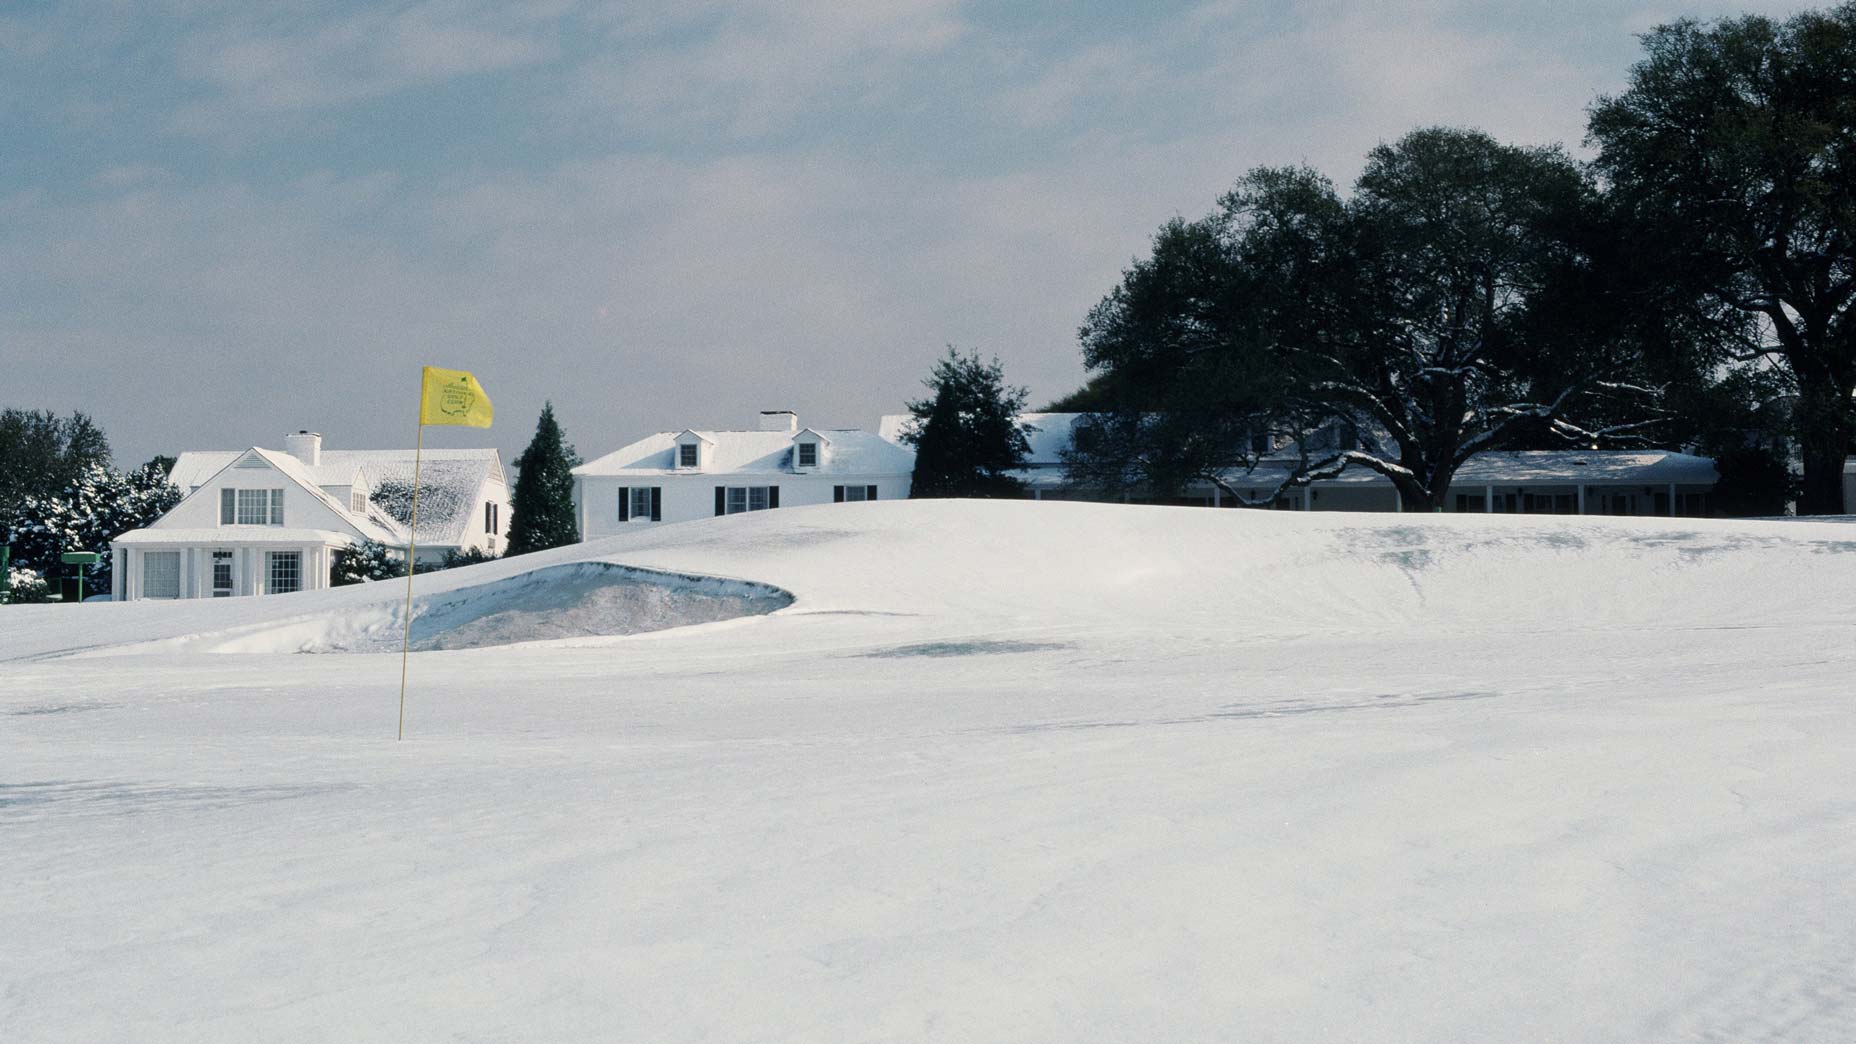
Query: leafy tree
[[1453, 305], [542, 506], [967, 438], [41, 453], [86, 515], [367, 561], [1735, 142]]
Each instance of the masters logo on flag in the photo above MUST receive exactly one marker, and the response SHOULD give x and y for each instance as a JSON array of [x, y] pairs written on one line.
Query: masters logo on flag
[[453, 397]]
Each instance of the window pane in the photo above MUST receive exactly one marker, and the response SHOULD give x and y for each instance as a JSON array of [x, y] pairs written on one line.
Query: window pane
[[808, 454], [686, 455], [254, 507], [641, 503], [853, 493], [757, 498], [228, 507], [161, 574], [737, 499], [277, 507], [286, 571]]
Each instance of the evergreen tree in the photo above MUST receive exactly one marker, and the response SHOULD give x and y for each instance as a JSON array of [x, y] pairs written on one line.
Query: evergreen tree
[[542, 507], [86, 515], [967, 438]]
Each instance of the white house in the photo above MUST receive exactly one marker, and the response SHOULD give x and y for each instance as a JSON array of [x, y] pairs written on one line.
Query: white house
[[674, 476], [263, 521], [1566, 482]]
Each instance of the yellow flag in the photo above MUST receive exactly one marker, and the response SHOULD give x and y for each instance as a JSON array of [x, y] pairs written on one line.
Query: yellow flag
[[453, 397]]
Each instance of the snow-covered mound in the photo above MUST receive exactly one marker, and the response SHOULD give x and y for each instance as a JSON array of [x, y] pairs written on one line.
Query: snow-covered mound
[[1235, 575], [999, 771]]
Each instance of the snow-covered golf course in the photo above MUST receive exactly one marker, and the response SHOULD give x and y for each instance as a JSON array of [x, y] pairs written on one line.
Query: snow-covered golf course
[[960, 771]]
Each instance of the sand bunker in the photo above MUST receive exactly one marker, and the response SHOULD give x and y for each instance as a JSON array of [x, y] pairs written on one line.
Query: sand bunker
[[569, 601]]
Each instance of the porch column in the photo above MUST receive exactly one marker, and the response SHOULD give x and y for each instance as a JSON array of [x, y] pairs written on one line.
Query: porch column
[[1581, 499], [1488, 500], [119, 573], [1217, 500], [1672, 500], [1398, 501]]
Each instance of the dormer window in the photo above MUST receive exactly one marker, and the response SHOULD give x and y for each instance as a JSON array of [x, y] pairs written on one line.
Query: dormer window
[[808, 455], [687, 454]]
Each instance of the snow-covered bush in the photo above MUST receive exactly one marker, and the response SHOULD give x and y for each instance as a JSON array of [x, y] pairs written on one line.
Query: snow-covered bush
[[473, 556], [24, 585], [367, 561], [85, 516]]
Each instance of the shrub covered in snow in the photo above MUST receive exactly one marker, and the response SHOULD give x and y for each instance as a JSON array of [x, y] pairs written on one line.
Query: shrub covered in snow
[[469, 556], [368, 561], [24, 585], [86, 515]]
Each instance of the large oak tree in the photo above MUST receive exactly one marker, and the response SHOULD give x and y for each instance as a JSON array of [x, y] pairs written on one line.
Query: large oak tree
[[1734, 147], [1454, 304]]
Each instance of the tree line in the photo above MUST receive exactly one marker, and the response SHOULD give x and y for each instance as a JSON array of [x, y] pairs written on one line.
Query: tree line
[[1691, 285]]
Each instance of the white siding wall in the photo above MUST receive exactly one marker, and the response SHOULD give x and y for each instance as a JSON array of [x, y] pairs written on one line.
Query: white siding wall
[[688, 497]]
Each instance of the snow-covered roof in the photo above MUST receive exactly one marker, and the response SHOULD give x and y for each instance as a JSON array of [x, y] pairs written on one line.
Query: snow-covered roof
[[234, 536], [1588, 466], [448, 483], [853, 452], [1517, 468]]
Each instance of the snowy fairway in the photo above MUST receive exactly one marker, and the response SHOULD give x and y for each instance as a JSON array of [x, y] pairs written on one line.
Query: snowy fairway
[[999, 772]]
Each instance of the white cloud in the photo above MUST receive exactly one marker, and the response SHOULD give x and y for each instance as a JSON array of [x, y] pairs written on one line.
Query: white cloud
[[255, 67]]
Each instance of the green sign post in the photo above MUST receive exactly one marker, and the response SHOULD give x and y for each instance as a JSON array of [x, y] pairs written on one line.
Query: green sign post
[[82, 560]]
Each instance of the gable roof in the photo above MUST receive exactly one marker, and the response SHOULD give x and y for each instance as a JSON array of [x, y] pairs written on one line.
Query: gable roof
[[853, 452], [374, 525], [448, 483]]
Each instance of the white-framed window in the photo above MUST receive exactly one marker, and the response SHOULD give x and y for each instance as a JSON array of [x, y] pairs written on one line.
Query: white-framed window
[[688, 454], [641, 503], [286, 571], [848, 494], [854, 493], [251, 507], [808, 454], [357, 502], [737, 499], [161, 574]]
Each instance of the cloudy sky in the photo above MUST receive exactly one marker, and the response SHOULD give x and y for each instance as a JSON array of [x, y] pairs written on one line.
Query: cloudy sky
[[223, 220]]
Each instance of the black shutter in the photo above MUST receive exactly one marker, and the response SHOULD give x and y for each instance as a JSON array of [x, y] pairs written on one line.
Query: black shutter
[[625, 504], [869, 492], [721, 500], [773, 496], [837, 494], [657, 503]]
